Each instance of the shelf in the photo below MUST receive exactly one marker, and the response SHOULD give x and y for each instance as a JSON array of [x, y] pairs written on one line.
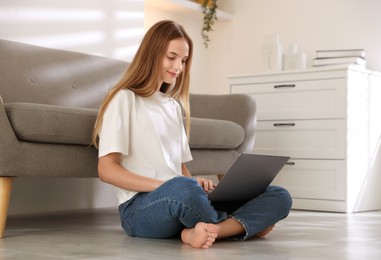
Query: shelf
[[185, 7]]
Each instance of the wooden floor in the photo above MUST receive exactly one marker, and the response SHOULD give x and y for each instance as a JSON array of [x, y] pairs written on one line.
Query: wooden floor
[[97, 235]]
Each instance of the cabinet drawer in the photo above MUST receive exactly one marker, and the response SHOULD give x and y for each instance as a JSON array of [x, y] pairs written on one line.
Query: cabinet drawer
[[303, 139], [314, 179], [318, 99]]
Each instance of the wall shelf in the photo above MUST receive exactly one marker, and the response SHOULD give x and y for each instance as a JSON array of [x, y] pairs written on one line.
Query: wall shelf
[[185, 7]]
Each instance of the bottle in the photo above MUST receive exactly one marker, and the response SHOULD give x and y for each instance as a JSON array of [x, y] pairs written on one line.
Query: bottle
[[272, 54], [293, 59]]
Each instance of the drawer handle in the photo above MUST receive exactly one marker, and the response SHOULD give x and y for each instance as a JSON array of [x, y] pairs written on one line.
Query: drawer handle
[[290, 163], [284, 124], [285, 86]]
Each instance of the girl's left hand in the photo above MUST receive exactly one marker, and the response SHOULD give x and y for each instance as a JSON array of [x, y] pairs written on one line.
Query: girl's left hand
[[206, 184]]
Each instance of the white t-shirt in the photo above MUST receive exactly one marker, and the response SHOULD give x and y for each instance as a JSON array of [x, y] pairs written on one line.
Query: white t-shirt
[[149, 134]]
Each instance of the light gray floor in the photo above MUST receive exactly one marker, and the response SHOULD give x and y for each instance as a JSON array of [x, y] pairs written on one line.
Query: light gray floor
[[97, 235]]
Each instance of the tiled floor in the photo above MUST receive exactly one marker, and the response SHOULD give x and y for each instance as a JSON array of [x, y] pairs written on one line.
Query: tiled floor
[[97, 235]]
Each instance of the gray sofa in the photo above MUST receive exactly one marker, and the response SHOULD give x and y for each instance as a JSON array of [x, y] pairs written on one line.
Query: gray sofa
[[49, 105]]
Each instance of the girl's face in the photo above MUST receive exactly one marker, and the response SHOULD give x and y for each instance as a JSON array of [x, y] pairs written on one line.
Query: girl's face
[[173, 62]]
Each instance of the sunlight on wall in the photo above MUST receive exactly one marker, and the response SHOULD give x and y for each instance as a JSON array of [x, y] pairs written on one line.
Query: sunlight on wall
[[128, 34], [363, 140], [107, 28], [33, 14], [68, 41], [128, 15]]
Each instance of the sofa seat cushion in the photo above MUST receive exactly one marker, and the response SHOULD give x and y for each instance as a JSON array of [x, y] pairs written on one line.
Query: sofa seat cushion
[[42, 123], [215, 134]]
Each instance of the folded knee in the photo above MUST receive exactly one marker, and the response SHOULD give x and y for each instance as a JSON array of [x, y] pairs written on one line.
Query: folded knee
[[282, 195]]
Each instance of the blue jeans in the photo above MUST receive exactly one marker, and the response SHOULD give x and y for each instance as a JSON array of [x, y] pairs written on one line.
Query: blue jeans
[[181, 202]]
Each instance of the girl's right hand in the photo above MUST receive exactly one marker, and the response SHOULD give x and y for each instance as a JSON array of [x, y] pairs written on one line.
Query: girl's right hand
[[206, 184]]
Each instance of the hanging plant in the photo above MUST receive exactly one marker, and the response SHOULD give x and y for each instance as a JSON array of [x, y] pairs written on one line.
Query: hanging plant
[[209, 9]]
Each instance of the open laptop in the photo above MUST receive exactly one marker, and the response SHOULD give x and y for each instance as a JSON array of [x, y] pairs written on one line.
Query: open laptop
[[248, 177]]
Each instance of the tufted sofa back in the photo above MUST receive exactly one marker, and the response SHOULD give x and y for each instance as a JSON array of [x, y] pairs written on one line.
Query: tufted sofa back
[[39, 75]]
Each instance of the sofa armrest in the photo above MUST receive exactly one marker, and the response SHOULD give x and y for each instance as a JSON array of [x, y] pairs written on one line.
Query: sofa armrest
[[238, 108], [9, 145]]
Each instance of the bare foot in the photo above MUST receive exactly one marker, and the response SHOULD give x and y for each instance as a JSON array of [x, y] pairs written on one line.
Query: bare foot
[[265, 231], [202, 235]]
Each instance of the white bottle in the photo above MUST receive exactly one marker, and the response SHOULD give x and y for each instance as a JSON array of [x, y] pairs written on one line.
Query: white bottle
[[293, 59], [272, 54]]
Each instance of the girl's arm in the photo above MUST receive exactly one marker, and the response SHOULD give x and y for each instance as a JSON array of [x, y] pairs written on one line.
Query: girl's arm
[[206, 184], [185, 170], [110, 171]]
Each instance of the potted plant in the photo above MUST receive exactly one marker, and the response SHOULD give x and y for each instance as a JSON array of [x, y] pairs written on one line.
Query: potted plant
[[209, 9]]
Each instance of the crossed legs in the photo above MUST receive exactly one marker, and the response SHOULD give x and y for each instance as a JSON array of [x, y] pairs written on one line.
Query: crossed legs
[[181, 202]]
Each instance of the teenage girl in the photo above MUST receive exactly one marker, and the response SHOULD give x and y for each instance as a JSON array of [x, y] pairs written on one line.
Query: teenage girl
[[143, 149]]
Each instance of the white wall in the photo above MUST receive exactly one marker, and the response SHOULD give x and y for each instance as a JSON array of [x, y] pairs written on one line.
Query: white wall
[[111, 28], [235, 45], [323, 24]]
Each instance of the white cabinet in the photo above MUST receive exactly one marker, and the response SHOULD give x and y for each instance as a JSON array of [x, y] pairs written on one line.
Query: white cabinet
[[328, 120]]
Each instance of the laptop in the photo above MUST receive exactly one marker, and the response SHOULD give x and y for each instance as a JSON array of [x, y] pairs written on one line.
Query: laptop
[[248, 177]]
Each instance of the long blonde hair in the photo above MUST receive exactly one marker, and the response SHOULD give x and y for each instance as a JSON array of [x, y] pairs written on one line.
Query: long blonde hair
[[142, 74]]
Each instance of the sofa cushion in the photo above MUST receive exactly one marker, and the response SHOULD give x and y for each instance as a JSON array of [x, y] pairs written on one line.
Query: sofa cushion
[[42, 123], [51, 124], [215, 134]]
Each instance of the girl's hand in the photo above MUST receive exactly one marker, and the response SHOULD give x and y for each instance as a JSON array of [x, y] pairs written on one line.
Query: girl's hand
[[206, 184]]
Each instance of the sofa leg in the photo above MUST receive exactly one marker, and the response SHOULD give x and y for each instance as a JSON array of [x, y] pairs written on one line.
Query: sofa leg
[[5, 195]]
